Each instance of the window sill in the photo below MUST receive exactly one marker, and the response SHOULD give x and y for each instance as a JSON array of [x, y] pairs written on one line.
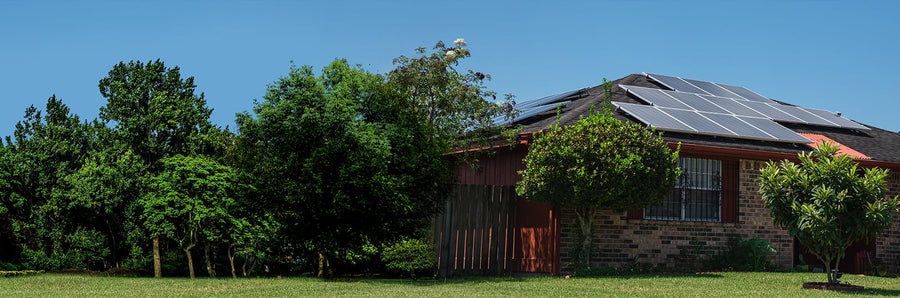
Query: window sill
[[659, 222]]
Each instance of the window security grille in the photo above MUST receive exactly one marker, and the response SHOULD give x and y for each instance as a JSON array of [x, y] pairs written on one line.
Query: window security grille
[[697, 195]]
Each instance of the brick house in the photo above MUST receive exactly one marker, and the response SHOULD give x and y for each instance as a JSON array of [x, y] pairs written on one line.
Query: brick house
[[486, 229]]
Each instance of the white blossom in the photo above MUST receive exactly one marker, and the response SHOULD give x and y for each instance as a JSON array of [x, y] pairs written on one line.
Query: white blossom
[[460, 42], [451, 53]]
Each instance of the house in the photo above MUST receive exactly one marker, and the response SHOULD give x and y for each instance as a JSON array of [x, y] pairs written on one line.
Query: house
[[726, 135]]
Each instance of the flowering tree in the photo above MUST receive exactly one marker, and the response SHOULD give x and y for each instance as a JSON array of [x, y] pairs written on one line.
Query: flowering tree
[[826, 203], [455, 104]]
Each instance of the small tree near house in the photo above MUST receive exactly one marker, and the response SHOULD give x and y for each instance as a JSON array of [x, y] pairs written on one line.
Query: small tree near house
[[598, 163], [827, 202]]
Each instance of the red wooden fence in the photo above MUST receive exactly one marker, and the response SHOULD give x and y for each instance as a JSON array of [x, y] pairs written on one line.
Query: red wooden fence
[[474, 234]]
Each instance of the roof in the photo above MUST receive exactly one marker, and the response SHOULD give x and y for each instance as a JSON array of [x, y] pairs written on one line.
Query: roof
[[875, 143]]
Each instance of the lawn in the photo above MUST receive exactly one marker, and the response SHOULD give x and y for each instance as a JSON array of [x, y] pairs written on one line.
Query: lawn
[[727, 284]]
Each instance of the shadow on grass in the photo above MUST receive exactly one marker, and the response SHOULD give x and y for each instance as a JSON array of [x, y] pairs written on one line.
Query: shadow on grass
[[507, 279], [870, 291]]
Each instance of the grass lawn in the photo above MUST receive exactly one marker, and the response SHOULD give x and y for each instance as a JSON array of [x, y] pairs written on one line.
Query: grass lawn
[[727, 284]]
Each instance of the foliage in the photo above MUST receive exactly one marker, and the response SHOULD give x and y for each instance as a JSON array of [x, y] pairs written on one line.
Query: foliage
[[410, 256], [598, 163], [827, 202], [155, 111], [747, 255], [189, 200], [347, 165], [48, 146], [596, 271], [20, 273], [458, 108], [155, 114]]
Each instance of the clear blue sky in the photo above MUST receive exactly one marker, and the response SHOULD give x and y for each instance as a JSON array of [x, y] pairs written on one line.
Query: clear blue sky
[[833, 55]]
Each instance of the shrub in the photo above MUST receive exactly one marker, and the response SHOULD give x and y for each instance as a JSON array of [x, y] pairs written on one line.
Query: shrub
[[19, 273], [414, 257], [747, 255], [593, 271]]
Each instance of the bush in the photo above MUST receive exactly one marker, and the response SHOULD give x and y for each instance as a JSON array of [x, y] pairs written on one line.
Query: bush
[[592, 271], [19, 273], [414, 257], [747, 255]]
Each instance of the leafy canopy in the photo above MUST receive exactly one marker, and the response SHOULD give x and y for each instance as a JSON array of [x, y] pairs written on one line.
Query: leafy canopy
[[598, 163], [348, 164], [827, 202]]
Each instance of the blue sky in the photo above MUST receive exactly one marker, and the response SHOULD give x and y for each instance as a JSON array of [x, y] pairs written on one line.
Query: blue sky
[[833, 55]]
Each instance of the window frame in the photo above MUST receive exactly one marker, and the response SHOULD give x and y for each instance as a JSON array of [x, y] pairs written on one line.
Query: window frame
[[712, 174]]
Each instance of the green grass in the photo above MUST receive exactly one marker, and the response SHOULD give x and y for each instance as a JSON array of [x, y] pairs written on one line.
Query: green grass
[[702, 285]]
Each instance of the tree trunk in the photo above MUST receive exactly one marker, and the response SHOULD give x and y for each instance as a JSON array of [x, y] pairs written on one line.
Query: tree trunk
[[190, 260], [837, 263], [157, 261], [585, 221], [324, 266], [209, 263], [231, 262]]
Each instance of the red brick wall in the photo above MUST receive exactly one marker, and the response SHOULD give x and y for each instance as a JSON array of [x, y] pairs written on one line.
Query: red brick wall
[[619, 241], [887, 247]]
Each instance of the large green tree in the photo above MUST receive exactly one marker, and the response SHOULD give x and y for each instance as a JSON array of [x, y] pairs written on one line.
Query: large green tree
[[54, 231], [598, 163], [460, 111], [348, 165], [156, 114], [827, 202], [189, 201]]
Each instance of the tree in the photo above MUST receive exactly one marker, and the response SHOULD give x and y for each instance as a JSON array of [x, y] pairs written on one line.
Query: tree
[[48, 146], [347, 165], [827, 202], [456, 106], [156, 114], [189, 200], [105, 188], [598, 163]]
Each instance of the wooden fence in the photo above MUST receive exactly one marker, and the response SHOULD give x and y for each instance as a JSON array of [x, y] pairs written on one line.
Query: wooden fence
[[474, 234]]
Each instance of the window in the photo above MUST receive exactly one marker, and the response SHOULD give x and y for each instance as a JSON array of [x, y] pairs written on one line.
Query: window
[[697, 195]]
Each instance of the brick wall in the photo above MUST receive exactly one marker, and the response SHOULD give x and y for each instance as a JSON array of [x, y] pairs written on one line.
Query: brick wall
[[619, 241], [887, 247]]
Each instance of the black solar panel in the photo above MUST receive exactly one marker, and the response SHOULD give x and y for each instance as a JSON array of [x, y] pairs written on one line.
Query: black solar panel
[[675, 83], [655, 97], [715, 124]]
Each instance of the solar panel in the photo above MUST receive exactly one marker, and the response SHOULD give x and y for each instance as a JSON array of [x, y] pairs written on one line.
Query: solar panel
[[740, 128], [771, 112], [712, 88], [676, 83], [715, 124], [776, 130], [696, 102], [655, 97], [843, 122], [537, 110], [544, 100], [746, 93], [732, 106], [807, 117], [698, 122], [652, 116]]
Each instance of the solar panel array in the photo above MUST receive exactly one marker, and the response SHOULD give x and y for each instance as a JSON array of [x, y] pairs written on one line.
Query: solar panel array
[[715, 104], [707, 123], [709, 88], [533, 107], [723, 110]]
